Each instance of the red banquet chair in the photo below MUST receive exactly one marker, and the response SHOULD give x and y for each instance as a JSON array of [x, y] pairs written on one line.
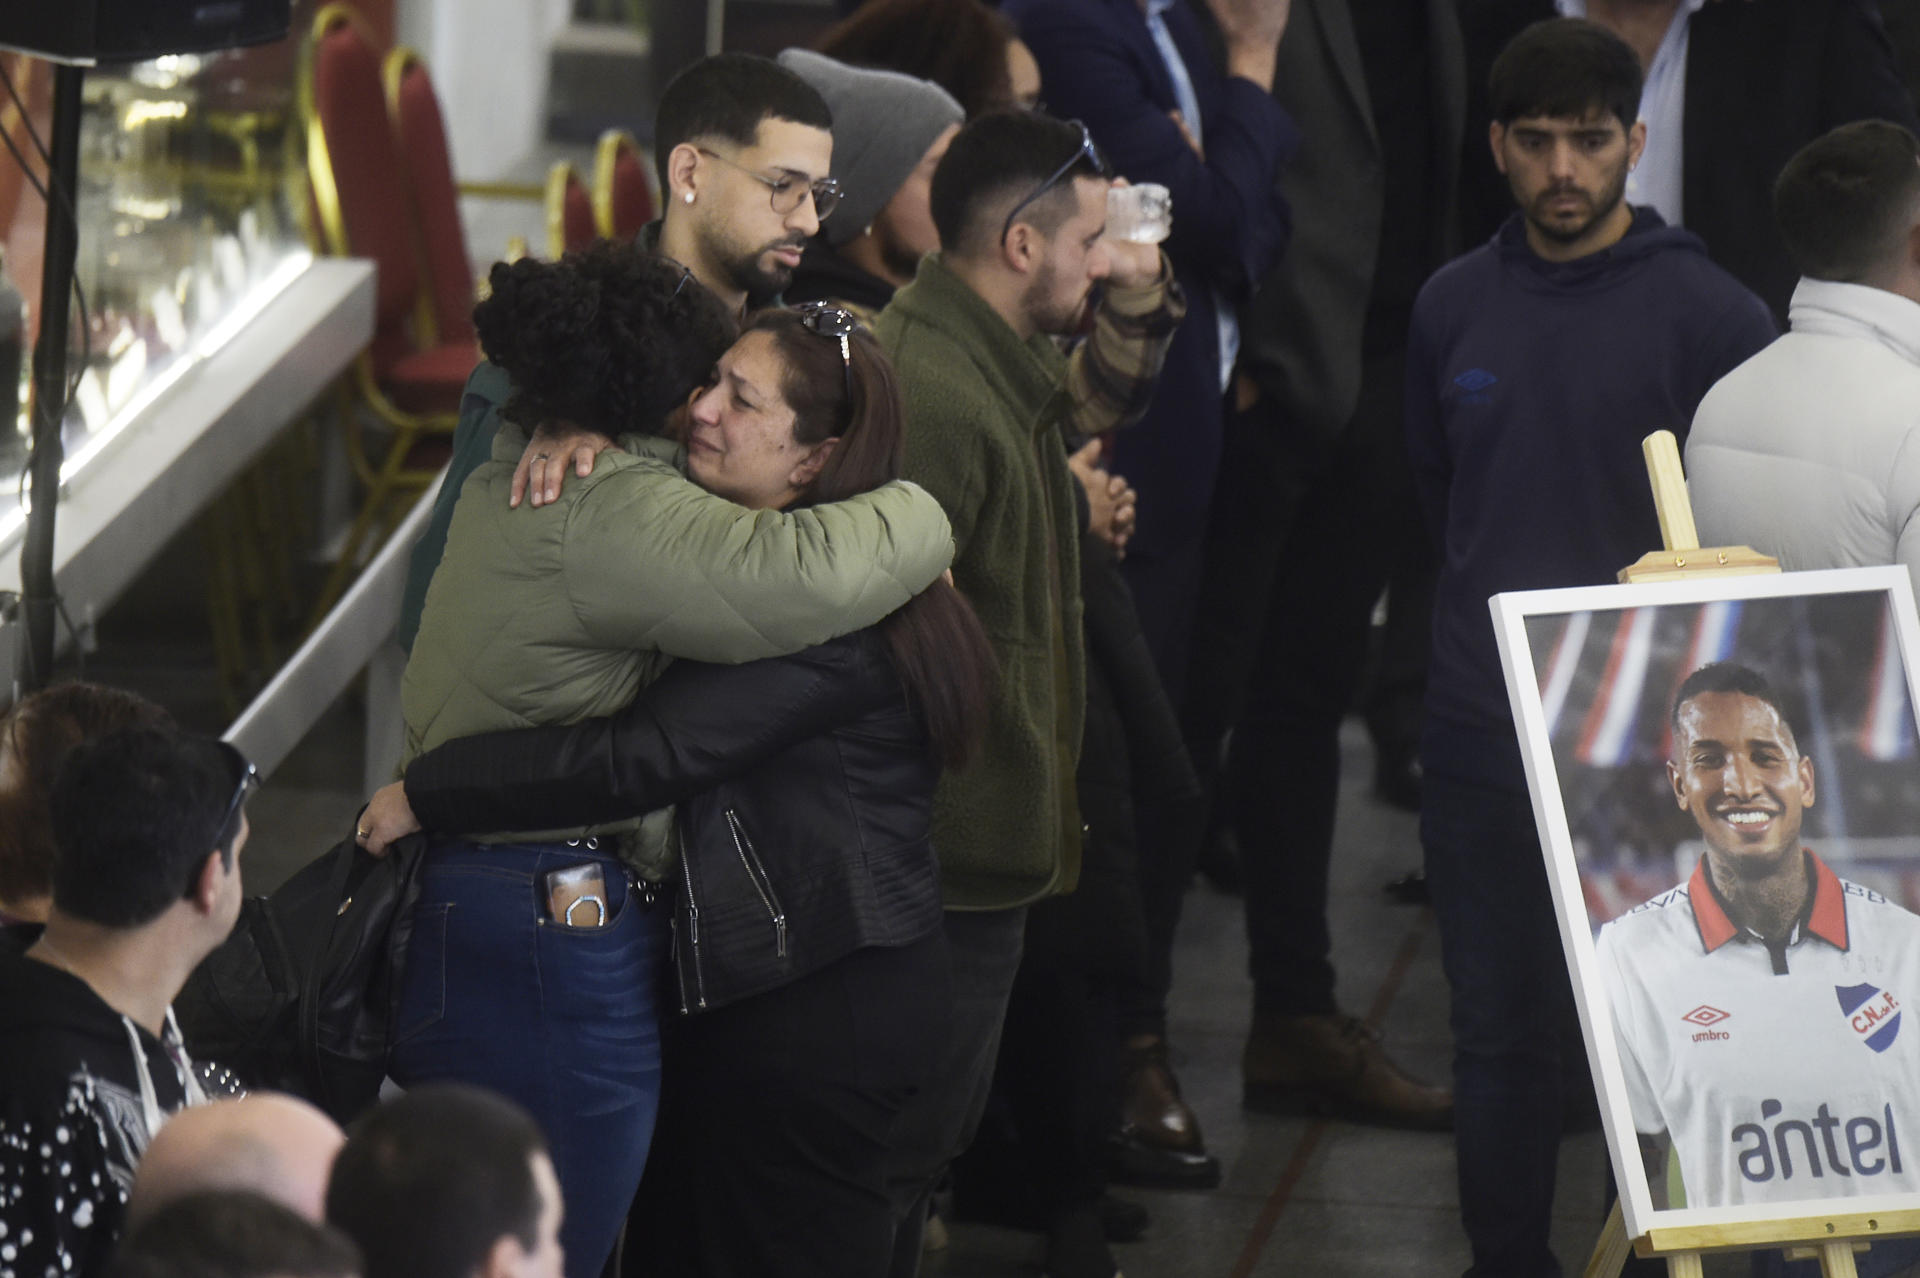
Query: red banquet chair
[[569, 211], [622, 186], [422, 133], [411, 375]]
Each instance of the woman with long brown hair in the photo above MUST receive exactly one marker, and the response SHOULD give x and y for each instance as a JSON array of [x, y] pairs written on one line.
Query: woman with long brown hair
[[808, 948]]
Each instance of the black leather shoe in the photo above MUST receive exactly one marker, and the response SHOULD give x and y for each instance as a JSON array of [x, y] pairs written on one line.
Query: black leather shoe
[[1158, 1143]]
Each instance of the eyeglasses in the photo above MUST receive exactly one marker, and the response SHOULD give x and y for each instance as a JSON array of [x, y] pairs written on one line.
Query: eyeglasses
[[824, 319], [789, 191], [1087, 152]]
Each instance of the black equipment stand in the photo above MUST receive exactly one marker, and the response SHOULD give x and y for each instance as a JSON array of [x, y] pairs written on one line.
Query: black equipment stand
[[38, 597]]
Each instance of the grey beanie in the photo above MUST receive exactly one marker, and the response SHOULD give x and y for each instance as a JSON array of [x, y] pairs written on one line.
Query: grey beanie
[[883, 122]]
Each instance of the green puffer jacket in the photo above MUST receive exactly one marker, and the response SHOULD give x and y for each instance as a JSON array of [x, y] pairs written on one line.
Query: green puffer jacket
[[556, 614], [983, 416]]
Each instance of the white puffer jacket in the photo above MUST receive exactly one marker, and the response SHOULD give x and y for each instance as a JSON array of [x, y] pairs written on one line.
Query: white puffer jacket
[[1810, 451]]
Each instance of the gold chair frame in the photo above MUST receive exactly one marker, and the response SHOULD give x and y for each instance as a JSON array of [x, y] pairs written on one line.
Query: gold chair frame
[[606, 152], [391, 477]]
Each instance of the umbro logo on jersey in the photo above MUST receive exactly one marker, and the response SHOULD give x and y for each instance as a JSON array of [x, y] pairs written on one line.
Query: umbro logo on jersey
[[1706, 1016], [1873, 1014], [1476, 382]]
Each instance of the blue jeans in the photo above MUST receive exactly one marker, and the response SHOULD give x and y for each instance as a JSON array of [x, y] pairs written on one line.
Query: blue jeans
[[1512, 1010], [563, 1020]]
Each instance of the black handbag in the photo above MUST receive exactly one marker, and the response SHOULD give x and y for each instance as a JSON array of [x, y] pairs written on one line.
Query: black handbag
[[301, 997]]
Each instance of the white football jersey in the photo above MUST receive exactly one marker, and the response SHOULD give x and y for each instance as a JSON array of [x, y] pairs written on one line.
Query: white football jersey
[[1779, 1075]]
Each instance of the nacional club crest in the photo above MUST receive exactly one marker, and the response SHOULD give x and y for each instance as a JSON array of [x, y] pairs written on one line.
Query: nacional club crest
[[1873, 1014]]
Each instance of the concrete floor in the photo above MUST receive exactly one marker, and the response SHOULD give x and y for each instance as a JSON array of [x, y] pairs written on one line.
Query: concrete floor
[[1303, 1196]]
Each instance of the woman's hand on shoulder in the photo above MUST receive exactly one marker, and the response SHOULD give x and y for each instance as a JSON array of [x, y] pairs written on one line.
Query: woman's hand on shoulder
[[388, 816], [543, 466]]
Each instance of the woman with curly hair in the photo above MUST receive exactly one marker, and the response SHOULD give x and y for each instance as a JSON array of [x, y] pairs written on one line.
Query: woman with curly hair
[[545, 988]]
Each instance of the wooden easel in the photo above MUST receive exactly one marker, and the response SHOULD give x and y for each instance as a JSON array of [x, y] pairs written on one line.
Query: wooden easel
[[1683, 559], [1833, 1238]]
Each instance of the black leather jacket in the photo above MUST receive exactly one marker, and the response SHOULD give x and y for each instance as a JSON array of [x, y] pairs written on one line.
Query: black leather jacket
[[805, 793]]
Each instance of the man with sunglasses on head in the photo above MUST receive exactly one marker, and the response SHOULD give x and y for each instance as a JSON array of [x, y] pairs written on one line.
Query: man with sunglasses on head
[[1019, 201], [149, 823]]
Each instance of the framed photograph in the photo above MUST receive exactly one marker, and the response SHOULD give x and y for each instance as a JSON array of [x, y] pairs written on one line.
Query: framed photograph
[[1727, 787]]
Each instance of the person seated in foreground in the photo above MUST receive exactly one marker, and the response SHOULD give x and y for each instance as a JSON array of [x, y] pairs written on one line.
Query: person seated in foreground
[[448, 1181], [277, 1146], [233, 1234], [149, 823]]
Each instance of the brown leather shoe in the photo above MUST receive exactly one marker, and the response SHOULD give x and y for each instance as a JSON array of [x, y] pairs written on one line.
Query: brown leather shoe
[[1334, 1064], [1159, 1141]]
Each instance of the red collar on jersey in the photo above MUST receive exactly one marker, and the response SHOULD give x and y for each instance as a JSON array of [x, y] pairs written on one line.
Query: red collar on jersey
[[1827, 919]]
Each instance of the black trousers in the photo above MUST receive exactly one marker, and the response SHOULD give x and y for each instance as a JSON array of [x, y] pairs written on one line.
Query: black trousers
[[1303, 541], [777, 1117]]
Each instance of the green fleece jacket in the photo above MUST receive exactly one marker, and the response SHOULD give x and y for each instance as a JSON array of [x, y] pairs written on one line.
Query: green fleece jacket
[[558, 613], [983, 414]]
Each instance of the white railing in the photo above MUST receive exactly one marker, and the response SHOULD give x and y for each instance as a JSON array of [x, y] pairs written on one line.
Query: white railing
[[357, 635]]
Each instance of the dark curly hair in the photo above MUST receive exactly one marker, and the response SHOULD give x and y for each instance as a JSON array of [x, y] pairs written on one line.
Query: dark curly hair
[[610, 337]]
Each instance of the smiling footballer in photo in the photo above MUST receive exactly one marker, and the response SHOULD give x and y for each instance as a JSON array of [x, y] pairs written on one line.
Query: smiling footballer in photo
[[1758, 1005]]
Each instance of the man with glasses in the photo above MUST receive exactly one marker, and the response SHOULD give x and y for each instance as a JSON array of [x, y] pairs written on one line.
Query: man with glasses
[[149, 823]]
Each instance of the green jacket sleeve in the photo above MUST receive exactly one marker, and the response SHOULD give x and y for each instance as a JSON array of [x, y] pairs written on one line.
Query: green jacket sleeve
[[653, 561]]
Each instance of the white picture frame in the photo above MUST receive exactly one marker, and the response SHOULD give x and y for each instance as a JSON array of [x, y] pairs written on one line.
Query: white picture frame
[[1591, 674]]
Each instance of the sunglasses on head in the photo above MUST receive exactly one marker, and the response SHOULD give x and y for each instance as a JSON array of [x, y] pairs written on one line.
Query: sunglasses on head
[[248, 779], [824, 319], [1087, 152]]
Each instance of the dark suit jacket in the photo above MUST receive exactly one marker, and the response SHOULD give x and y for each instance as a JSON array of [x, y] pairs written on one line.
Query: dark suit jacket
[[1098, 63], [1301, 334], [1764, 78]]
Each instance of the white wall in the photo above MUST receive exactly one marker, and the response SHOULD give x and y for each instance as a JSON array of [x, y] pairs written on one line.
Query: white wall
[[489, 62]]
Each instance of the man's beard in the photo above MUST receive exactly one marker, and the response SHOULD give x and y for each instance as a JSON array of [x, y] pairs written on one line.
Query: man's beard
[[762, 284], [1046, 313], [1603, 206]]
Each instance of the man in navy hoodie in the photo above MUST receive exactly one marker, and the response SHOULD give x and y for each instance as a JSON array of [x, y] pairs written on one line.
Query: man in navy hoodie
[[1536, 364]]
